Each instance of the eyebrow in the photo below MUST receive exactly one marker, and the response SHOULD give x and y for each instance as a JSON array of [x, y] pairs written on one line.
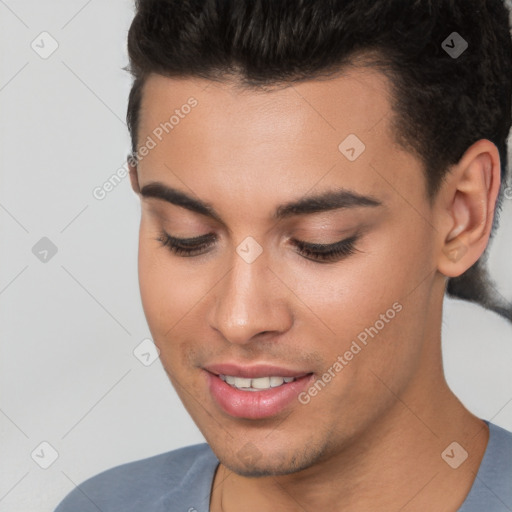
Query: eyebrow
[[326, 201]]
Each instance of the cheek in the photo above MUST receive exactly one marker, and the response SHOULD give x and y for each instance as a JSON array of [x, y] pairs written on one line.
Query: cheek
[[163, 294], [172, 290], [372, 317], [375, 300], [349, 296]]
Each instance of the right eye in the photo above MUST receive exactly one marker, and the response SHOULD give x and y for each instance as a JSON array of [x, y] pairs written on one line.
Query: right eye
[[187, 246]]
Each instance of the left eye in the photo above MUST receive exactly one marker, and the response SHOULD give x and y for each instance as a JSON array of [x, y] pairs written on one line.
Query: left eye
[[187, 247], [326, 253]]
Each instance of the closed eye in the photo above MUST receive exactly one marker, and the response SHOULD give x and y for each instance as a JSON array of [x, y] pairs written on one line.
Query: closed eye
[[327, 252], [321, 253]]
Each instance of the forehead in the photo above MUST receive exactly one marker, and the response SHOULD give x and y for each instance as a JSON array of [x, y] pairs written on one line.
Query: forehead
[[285, 138], [355, 101]]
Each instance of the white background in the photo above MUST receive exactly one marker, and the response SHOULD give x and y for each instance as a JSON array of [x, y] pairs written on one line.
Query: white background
[[69, 326]]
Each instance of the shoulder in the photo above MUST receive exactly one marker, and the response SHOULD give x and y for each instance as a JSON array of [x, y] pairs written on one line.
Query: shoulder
[[492, 489], [155, 483], [497, 461]]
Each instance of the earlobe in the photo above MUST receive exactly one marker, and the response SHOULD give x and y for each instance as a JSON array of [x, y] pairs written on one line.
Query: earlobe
[[471, 191], [454, 251]]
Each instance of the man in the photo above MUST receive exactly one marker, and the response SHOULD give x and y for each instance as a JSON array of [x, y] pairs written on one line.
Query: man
[[313, 176]]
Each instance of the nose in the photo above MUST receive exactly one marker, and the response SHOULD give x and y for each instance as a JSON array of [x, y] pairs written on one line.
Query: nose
[[250, 301]]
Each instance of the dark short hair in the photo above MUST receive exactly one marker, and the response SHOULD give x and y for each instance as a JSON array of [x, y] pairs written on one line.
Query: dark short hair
[[441, 103]]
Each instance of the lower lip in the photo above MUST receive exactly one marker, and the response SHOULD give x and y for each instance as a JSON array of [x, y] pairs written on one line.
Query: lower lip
[[255, 404]]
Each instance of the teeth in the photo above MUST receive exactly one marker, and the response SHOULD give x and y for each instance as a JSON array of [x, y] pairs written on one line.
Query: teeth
[[255, 384], [276, 381], [261, 383], [240, 382]]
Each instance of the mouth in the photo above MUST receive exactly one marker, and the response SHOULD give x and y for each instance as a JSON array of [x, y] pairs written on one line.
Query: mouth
[[255, 392]]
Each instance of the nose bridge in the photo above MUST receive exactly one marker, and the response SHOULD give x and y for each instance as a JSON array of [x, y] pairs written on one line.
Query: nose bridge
[[247, 300]]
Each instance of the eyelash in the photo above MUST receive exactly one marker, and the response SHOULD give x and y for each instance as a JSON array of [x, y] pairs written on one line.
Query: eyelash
[[320, 253]]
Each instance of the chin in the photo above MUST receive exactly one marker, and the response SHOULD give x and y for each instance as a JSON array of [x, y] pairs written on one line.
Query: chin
[[251, 464], [261, 469]]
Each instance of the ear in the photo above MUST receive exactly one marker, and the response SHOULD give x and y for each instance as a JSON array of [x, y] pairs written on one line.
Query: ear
[[466, 204], [134, 179]]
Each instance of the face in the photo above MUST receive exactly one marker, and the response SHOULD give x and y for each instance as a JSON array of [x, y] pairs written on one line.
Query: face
[[306, 252]]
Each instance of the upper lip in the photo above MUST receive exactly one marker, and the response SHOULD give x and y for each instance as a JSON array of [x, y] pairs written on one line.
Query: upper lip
[[253, 372]]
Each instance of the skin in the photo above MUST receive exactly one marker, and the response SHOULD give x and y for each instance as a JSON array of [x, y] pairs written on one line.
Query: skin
[[372, 438]]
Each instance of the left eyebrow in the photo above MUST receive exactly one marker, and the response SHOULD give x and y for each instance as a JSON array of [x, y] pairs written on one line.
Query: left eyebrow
[[325, 201]]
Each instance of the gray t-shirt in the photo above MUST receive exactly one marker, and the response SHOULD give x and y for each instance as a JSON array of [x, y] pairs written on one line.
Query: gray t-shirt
[[181, 480]]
